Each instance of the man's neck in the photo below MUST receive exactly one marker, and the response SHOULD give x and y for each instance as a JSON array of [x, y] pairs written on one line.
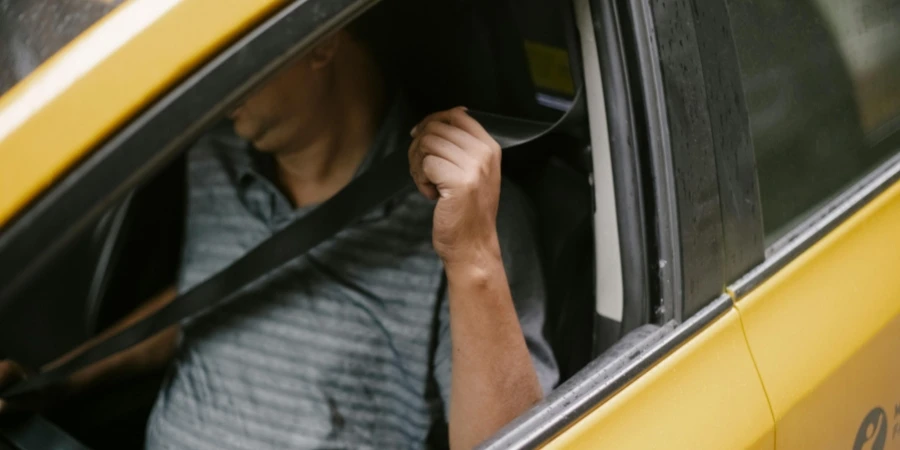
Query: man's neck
[[313, 172]]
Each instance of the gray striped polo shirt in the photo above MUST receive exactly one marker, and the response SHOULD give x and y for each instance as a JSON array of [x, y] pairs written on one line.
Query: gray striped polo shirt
[[345, 347]]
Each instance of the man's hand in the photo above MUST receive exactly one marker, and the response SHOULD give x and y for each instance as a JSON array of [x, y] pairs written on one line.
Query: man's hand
[[11, 373], [455, 161]]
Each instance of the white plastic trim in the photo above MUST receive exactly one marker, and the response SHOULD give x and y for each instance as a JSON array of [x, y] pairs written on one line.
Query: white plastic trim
[[610, 295]]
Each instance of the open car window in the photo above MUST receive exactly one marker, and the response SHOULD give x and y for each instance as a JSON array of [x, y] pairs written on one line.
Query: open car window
[[31, 31], [530, 75]]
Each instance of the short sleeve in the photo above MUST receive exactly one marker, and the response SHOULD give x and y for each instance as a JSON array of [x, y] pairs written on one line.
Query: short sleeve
[[519, 248]]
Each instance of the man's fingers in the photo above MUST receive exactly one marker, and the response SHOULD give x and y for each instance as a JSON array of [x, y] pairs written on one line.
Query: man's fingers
[[458, 117], [429, 190], [440, 171], [450, 147], [432, 144], [456, 136], [434, 161], [457, 127], [415, 170], [11, 372], [440, 116]]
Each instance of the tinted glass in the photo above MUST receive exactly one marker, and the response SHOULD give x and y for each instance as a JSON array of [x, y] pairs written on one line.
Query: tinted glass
[[823, 92], [33, 30]]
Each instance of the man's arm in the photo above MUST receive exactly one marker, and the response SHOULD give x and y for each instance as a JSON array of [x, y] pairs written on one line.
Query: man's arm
[[453, 160], [151, 354], [493, 379]]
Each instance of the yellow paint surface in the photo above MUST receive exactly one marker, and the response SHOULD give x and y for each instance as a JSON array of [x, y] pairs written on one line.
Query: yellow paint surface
[[825, 333], [705, 395], [95, 84]]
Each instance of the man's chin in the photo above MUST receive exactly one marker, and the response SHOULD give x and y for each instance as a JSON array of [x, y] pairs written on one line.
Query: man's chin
[[259, 141], [262, 138], [244, 132]]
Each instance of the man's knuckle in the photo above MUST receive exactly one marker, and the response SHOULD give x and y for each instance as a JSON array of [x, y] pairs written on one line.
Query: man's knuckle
[[471, 180], [429, 141], [432, 126], [486, 172], [486, 157]]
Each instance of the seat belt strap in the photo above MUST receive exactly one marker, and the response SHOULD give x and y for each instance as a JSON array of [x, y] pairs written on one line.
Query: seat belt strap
[[370, 189], [374, 187]]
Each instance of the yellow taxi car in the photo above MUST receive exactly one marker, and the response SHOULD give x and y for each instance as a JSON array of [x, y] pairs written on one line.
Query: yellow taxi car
[[716, 184]]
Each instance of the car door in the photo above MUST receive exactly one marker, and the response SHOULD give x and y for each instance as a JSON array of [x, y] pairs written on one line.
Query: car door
[[663, 84], [822, 313], [655, 73]]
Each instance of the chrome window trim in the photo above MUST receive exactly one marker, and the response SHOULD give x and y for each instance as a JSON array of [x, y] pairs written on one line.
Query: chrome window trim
[[825, 220]]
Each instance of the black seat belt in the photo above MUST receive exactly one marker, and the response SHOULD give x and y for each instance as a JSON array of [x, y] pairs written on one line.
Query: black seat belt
[[384, 181], [372, 188]]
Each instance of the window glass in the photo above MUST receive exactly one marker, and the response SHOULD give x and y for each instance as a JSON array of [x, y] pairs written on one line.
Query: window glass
[[823, 93], [31, 31]]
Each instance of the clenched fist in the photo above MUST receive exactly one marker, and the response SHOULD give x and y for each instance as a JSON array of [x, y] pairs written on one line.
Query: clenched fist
[[453, 160]]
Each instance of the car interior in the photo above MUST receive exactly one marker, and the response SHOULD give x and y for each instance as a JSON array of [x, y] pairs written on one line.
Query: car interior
[[496, 56]]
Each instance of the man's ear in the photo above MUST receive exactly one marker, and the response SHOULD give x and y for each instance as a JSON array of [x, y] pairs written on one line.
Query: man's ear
[[323, 53]]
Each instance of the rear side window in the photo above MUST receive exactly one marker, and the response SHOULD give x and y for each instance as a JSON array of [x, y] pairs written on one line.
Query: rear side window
[[31, 31], [823, 93]]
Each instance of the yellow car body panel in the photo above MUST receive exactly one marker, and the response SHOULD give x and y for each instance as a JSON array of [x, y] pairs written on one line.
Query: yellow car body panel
[[705, 395], [825, 334], [96, 83]]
